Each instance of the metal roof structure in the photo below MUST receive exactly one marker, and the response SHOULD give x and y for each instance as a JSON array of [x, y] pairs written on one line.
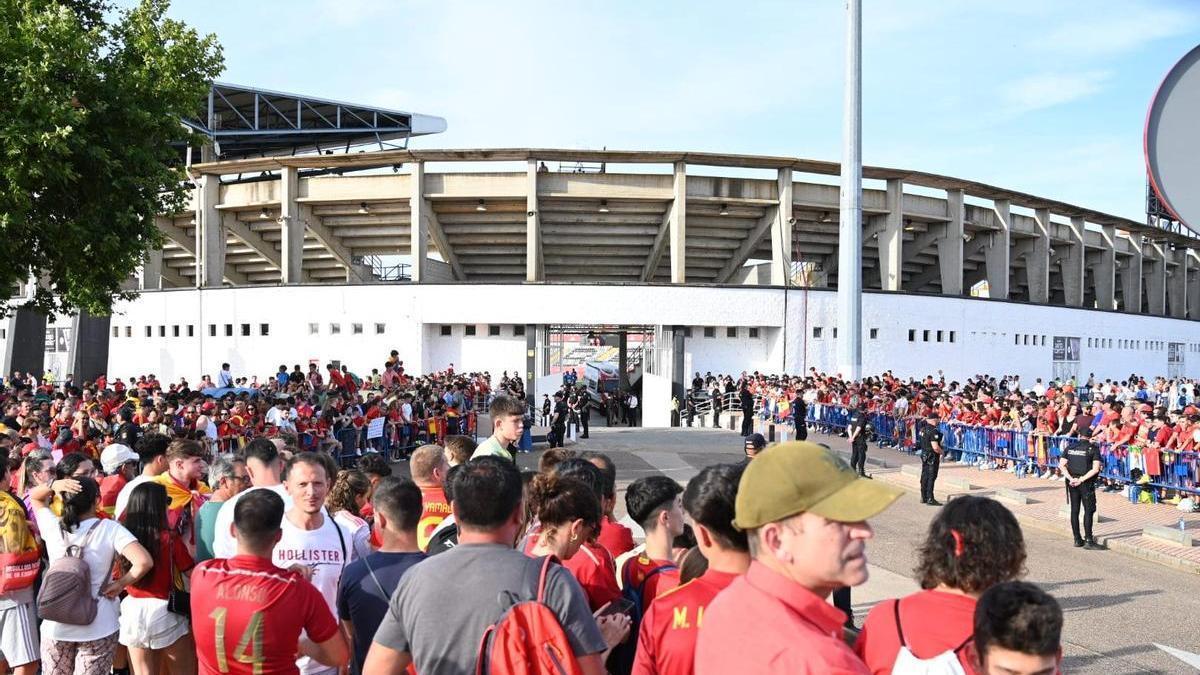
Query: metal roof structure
[[246, 122]]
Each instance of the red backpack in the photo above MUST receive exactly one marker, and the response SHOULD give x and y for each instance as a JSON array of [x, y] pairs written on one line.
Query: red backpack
[[528, 639]]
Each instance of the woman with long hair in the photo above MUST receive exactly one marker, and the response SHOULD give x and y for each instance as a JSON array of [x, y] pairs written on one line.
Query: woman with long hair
[[350, 493], [68, 649], [973, 544], [567, 512], [148, 628]]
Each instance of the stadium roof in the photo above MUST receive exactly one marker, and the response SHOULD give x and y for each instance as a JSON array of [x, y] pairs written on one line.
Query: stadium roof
[[250, 122]]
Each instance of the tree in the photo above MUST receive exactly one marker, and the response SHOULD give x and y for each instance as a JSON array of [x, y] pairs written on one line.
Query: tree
[[90, 103]]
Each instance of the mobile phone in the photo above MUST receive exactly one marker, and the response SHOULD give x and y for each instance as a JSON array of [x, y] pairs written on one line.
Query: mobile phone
[[618, 606]]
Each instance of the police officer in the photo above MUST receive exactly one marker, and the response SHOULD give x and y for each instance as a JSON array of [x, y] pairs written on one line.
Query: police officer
[[930, 441], [746, 401], [857, 427], [585, 411], [1081, 464], [800, 416], [558, 423]]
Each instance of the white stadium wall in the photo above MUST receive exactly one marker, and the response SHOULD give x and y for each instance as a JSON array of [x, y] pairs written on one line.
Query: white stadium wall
[[976, 335]]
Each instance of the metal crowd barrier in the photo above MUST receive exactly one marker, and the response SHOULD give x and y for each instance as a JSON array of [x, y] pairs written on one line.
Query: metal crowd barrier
[[1023, 452]]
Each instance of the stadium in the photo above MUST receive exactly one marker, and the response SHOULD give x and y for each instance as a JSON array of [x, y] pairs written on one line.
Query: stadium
[[304, 244]]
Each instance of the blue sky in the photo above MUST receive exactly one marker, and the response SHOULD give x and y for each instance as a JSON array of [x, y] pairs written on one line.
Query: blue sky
[[1046, 97]]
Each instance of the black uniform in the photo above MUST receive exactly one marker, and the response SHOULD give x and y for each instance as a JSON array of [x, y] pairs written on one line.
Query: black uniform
[[858, 449], [716, 408], [558, 424], [746, 399], [1080, 456], [930, 460], [800, 418]]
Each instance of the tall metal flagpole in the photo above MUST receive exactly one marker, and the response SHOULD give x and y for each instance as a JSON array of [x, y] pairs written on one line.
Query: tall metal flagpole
[[849, 295]]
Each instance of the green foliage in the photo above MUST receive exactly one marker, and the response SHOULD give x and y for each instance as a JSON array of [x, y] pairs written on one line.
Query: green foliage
[[90, 101]]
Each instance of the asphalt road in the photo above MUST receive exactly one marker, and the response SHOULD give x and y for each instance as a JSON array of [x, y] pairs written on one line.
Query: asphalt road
[[1118, 608]]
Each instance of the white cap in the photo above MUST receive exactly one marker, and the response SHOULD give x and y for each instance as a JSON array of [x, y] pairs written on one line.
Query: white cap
[[115, 455]]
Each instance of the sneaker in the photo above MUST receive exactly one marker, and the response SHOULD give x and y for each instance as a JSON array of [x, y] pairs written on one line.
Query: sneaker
[[933, 502], [1091, 545], [1079, 543]]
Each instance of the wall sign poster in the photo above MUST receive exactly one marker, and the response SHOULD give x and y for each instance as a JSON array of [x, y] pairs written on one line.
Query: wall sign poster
[[51, 340], [1066, 349], [64, 340], [1174, 352]]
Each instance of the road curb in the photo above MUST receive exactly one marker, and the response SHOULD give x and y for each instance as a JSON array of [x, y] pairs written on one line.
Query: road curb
[[1117, 545]]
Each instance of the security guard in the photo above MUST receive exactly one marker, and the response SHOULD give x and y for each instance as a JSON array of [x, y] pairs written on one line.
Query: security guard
[[1081, 464], [930, 440], [858, 426]]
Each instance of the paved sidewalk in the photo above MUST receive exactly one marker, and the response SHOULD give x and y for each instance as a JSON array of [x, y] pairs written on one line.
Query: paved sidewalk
[[1119, 523]]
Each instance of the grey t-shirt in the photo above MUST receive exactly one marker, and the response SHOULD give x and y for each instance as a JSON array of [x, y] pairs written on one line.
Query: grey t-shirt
[[445, 603]]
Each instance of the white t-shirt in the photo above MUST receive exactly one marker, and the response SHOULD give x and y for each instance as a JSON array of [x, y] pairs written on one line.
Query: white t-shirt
[[327, 554], [360, 532], [224, 545], [123, 495], [110, 539]]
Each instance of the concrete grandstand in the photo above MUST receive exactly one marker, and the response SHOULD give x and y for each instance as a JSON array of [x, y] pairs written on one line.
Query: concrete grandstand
[[722, 262]]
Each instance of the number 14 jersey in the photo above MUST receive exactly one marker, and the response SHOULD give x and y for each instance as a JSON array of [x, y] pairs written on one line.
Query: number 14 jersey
[[247, 615]]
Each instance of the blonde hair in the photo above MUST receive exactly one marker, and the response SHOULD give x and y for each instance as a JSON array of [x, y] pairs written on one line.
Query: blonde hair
[[347, 488]]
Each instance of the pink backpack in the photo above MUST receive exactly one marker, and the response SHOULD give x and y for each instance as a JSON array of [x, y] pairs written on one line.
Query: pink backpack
[[66, 593]]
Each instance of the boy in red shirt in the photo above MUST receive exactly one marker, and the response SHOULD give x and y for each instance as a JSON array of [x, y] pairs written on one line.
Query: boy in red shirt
[[667, 638], [655, 503], [614, 537], [249, 616]]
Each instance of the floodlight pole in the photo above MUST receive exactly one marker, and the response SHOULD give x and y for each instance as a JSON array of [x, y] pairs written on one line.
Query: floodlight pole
[[849, 294]]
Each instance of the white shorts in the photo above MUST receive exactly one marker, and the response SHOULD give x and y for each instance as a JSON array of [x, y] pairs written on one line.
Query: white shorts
[[146, 624], [19, 642]]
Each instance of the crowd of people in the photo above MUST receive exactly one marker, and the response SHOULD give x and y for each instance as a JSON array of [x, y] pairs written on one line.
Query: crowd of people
[[140, 543], [1147, 429]]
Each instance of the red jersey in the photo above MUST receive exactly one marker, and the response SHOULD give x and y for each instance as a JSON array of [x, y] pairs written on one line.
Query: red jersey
[[667, 639], [434, 511], [593, 567], [639, 573], [933, 622], [110, 487], [157, 584], [247, 615], [615, 537]]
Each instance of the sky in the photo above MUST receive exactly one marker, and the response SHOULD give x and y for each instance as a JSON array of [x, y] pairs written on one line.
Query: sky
[[1044, 97]]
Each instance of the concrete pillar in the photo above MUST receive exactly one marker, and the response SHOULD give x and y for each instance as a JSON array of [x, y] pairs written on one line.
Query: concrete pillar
[[950, 247], [150, 277], [533, 225], [418, 233], [1037, 263], [781, 231], [89, 347], [1156, 281], [996, 250], [1177, 290], [291, 226], [1193, 292], [1104, 273], [891, 238], [210, 234], [1073, 263], [678, 226], [25, 348], [1131, 277]]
